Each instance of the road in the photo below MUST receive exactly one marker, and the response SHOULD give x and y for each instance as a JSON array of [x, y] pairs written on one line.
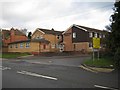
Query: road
[[53, 72]]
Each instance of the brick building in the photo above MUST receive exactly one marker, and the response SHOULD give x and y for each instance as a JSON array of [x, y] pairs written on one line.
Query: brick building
[[43, 40], [9, 36], [78, 38]]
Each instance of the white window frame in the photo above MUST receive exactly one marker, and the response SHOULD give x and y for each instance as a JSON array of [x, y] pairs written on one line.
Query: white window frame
[[95, 35], [27, 44], [100, 35], [21, 45], [74, 34], [90, 34]]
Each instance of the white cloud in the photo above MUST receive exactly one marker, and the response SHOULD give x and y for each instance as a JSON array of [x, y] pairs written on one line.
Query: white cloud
[[57, 14]]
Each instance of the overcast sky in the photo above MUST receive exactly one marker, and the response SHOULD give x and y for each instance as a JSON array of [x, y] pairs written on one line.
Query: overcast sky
[[57, 14]]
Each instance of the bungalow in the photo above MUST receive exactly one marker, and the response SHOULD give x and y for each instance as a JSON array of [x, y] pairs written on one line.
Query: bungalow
[[34, 45], [79, 38]]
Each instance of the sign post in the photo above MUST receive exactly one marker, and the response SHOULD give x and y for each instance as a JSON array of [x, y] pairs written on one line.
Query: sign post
[[96, 45]]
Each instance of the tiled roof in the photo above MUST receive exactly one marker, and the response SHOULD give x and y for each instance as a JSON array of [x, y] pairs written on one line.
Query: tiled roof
[[17, 32], [32, 40], [40, 40], [5, 31], [47, 31]]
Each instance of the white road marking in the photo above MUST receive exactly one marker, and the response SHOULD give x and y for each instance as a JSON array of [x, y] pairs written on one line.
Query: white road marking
[[105, 87], [36, 75]]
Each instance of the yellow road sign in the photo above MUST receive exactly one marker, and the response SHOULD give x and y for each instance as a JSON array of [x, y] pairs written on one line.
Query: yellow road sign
[[96, 42]]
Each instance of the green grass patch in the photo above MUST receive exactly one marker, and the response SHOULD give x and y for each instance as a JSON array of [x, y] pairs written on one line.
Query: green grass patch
[[102, 62], [0, 55], [13, 55]]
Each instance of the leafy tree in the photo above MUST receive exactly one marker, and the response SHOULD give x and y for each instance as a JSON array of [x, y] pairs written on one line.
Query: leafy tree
[[114, 37], [29, 35]]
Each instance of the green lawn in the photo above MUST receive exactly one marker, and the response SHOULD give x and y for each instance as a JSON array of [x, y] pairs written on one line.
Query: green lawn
[[102, 62], [0, 55], [13, 55]]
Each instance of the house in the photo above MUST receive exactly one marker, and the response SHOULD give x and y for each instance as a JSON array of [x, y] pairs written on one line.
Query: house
[[9, 36], [54, 37], [42, 40], [79, 38]]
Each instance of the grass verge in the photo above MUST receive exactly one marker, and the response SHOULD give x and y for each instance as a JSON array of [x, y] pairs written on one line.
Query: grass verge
[[13, 55], [102, 62]]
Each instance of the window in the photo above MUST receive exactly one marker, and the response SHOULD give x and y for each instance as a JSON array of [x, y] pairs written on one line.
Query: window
[[90, 44], [74, 35], [100, 35], [93, 34], [96, 35], [21, 45], [58, 37], [57, 46], [16, 46], [37, 37], [52, 45], [27, 45], [90, 34], [10, 46], [41, 36]]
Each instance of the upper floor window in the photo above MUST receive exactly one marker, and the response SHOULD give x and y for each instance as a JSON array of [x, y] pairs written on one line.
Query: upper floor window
[[93, 34], [96, 35], [27, 45], [58, 37], [100, 35], [39, 37], [90, 34], [21, 45], [74, 35]]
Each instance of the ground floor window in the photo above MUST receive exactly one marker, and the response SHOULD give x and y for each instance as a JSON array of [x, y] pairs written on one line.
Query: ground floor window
[[27, 45], [52, 45], [90, 44], [21, 45], [10, 46]]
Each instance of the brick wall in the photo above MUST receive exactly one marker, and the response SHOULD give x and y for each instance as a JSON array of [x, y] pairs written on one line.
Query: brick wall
[[67, 40]]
